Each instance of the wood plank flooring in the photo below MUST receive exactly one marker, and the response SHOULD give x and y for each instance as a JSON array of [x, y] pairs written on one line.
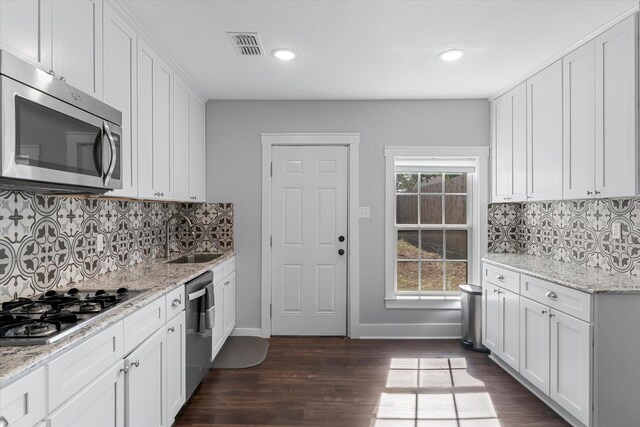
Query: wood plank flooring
[[310, 381]]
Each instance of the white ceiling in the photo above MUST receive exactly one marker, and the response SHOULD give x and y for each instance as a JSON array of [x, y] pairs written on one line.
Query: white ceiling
[[355, 49]]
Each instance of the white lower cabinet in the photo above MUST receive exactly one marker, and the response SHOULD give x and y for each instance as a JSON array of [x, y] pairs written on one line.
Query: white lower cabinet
[[549, 349], [501, 320], [146, 382], [99, 404], [224, 290], [23, 402], [176, 366], [570, 369], [534, 343]]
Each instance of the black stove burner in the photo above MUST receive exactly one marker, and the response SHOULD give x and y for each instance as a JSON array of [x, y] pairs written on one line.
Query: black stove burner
[[122, 291], [30, 328], [8, 305]]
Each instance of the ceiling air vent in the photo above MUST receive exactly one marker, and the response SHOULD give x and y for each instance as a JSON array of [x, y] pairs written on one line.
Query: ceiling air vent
[[247, 44]]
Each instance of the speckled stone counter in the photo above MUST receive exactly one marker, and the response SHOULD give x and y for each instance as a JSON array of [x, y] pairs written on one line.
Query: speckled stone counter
[[156, 277], [582, 278]]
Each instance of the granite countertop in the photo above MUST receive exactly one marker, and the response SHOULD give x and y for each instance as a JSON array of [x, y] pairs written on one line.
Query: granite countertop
[[579, 277], [156, 277]]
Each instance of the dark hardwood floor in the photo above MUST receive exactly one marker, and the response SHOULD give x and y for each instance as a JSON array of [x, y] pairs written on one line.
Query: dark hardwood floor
[[343, 382]]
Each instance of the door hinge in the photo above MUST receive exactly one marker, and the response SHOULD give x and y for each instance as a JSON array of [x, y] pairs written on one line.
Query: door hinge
[[271, 169], [270, 241]]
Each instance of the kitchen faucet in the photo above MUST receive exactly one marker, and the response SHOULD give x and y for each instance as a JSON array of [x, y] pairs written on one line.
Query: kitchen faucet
[[168, 227]]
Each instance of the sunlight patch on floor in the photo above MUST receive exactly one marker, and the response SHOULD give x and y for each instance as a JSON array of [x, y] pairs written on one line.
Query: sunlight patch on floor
[[423, 394]]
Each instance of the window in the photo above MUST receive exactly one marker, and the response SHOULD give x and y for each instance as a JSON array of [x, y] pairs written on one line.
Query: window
[[432, 225]]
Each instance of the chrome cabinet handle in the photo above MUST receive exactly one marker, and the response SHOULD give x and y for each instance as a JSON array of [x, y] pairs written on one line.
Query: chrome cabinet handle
[[114, 154], [551, 294], [125, 370], [551, 315], [597, 192], [176, 302], [4, 422], [544, 312], [589, 193], [172, 329], [136, 364], [52, 73], [500, 277], [62, 79]]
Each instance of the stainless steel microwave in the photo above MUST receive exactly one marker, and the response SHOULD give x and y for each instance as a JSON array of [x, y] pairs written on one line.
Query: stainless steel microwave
[[55, 138]]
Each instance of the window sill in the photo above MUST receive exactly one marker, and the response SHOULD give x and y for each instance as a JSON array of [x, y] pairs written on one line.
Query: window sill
[[440, 302]]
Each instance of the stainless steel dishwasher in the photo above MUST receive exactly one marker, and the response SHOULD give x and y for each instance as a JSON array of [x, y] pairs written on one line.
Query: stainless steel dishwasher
[[198, 336]]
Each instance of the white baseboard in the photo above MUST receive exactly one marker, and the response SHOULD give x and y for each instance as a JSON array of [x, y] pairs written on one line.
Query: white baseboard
[[246, 332], [409, 331]]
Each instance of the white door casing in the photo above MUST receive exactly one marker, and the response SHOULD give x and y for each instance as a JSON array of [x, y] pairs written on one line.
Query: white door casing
[[309, 213]]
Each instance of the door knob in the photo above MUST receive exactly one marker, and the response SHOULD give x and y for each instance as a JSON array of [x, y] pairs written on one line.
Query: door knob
[[340, 238], [340, 251]]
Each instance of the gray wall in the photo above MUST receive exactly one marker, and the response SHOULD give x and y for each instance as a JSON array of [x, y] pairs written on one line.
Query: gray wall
[[234, 169]]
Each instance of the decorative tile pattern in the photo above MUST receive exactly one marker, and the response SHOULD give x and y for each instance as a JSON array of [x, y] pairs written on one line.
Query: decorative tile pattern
[[51, 241], [576, 231]]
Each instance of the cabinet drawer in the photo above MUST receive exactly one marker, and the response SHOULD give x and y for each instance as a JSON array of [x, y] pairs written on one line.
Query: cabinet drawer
[[174, 302], [569, 301], [22, 403], [79, 366], [140, 325], [224, 270], [502, 277]]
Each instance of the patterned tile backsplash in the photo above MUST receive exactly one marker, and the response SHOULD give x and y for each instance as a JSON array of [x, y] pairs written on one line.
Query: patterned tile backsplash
[[49, 241], [575, 231]]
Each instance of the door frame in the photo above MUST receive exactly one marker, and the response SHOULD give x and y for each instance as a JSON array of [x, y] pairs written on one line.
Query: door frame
[[351, 141]]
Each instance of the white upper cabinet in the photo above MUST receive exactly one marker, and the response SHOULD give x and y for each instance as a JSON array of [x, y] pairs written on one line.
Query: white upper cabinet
[[77, 43], [579, 126], [25, 30], [510, 145], [181, 102], [544, 134], [617, 110], [155, 95], [197, 152], [119, 88]]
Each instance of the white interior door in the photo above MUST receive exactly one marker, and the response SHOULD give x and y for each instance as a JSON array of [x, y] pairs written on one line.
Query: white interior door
[[309, 247]]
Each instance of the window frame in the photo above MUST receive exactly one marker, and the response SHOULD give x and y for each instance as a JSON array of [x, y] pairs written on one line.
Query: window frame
[[477, 197]]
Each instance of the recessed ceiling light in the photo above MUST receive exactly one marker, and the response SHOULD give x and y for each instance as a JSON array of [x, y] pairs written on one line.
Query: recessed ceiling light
[[452, 55], [284, 54]]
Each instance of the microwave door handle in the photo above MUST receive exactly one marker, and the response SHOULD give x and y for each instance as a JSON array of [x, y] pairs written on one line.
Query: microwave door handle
[[112, 160]]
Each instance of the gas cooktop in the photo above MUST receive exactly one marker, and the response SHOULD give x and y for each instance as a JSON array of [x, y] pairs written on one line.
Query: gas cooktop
[[54, 315]]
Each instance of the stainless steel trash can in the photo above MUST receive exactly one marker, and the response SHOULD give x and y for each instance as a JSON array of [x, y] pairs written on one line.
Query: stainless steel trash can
[[471, 310]]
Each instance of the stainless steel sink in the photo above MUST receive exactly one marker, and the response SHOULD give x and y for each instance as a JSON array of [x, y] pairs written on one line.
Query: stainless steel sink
[[194, 259]]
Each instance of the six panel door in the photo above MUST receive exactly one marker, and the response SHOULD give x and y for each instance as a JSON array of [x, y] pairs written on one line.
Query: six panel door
[[309, 214]]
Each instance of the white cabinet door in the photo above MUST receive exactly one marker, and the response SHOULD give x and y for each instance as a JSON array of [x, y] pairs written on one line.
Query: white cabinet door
[[119, 87], [510, 145], [176, 366], [162, 126], [25, 30], [197, 174], [99, 404], [519, 112], [579, 113], [218, 329], [617, 110], [146, 76], [544, 134], [571, 364], [23, 402], [146, 383], [534, 343], [181, 143], [509, 350], [155, 97], [77, 43], [503, 148], [229, 304], [491, 317]]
